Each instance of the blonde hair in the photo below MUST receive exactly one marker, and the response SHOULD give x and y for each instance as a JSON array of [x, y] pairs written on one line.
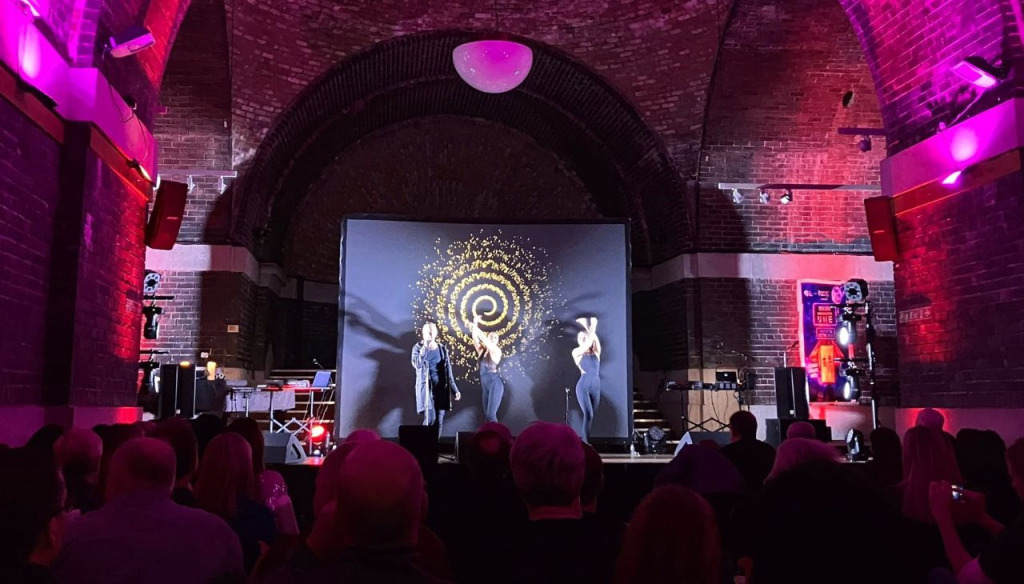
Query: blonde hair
[[928, 456], [225, 475]]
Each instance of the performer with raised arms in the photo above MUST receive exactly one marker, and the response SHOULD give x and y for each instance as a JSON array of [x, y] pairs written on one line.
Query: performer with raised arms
[[587, 356], [488, 355]]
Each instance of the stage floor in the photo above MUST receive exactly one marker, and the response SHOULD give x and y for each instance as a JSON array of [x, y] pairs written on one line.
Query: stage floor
[[661, 459]]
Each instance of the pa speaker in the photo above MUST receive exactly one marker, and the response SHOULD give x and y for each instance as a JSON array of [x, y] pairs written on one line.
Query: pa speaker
[[720, 438], [775, 429], [282, 448], [168, 213], [177, 391], [421, 441], [791, 392], [462, 444], [882, 228]]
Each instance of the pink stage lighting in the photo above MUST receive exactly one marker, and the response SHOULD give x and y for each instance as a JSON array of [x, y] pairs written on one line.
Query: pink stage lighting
[[493, 66], [952, 179], [978, 72]]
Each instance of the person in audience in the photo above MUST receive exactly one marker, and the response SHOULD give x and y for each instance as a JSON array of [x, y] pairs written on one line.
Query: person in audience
[[930, 418], [801, 429], [794, 452], [140, 535], [488, 504], [271, 488], [377, 527], [672, 537], [750, 456], [178, 434], [78, 453], [886, 464], [323, 493], [554, 544], [45, 437], [999, 563], [207, 427], [32, 515], [981, 455], [226, 487], [702, 469], [113, 437]]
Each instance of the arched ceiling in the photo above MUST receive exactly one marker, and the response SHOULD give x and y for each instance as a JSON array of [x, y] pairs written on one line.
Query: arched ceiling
[[562, 105]]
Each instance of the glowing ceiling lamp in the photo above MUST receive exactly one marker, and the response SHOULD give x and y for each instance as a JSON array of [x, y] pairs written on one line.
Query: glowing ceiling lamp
[[493, 66], [979, 72], [952, 178]]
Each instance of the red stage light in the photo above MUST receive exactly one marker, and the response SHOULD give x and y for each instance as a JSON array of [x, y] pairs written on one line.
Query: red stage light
[[317, 433]]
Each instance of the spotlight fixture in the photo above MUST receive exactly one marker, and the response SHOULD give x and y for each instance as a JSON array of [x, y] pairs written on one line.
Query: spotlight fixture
[[846, 334], [150, 282], [979, 72], [855, 445], [737, 196], [317, 433], [787, 197], [493, 66], [134, 165], [35, 8], [865, 144], [128, 42], [851, 390], [764, 197], [151, 329], [952, 178], [654, 440]]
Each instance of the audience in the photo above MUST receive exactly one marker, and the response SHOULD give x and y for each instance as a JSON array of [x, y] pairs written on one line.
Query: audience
[[801, 429], [548, 465], [886, 464], [795, 452], [207, 427], [750, 456], [999, 563], [226, 487], [271, 488], [78, 453], [522, 510], [981, 456], [140, 535], [178, 434], [672, 537], [816, 523], [32, 515], [377, 527]]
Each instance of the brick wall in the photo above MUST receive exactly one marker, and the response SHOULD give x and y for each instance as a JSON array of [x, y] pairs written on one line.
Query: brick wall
[[443, 167], [193, 133], [962, 259], [775, 108], [110, 268], [910, 46], [28, 201]]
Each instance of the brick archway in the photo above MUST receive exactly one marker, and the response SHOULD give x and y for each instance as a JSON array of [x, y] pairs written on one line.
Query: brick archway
[[562, 105]]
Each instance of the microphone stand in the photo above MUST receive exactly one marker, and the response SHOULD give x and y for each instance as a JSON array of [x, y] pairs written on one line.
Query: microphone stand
[[567, 390]]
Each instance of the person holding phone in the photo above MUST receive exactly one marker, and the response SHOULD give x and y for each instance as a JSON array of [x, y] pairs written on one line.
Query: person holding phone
[[488, 354]]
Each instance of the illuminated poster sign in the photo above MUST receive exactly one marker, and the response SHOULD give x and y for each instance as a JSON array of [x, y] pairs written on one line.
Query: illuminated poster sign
[[818, 348]]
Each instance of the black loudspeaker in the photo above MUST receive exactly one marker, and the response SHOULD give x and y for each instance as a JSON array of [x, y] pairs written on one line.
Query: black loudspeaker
[[282, 448], [421, 441], [168, 213], [775, 429], [720, 438], [177, 391], [462, 440], [791, 392]]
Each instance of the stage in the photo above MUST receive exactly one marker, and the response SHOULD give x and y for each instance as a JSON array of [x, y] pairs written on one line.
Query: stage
[[627, 480]]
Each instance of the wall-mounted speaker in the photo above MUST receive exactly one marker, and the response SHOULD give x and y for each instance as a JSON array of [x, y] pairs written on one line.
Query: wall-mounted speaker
[[168, 213], [882, 228]]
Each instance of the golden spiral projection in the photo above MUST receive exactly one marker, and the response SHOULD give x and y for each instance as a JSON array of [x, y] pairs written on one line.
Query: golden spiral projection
[[501, 278]]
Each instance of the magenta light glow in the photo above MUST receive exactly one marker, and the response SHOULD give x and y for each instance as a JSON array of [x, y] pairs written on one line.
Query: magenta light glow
[[953, 178], [493, 66], [29, 54], [977, 72], [964, 145]]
